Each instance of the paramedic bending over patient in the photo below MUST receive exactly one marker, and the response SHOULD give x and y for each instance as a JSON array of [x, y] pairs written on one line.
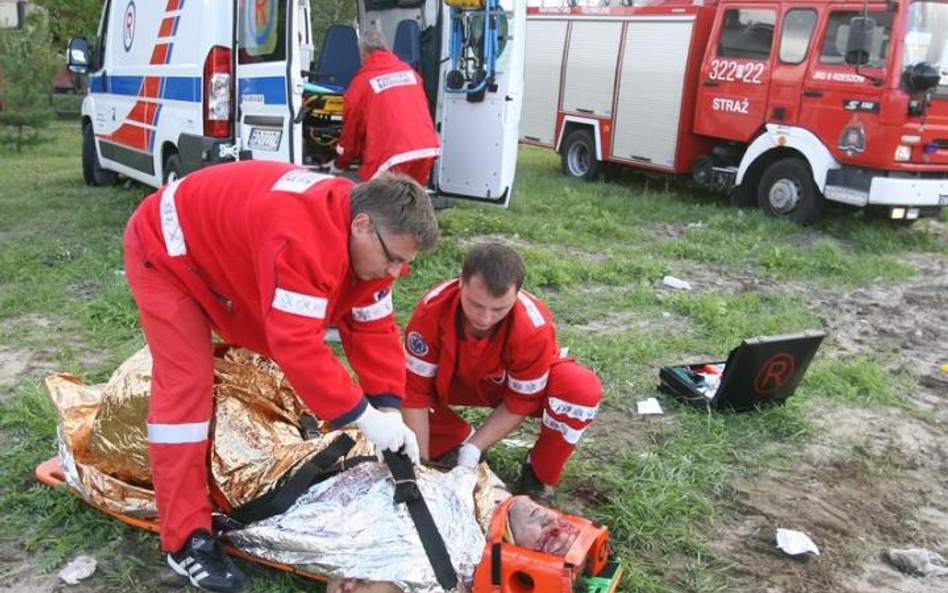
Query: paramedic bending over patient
[[266, 255], [385, 117]]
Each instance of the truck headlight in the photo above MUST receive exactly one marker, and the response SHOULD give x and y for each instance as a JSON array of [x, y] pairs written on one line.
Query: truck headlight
[[903, 153], [897, 213]]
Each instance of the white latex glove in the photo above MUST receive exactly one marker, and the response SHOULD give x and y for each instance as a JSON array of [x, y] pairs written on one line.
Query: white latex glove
[[388, 432], [334, 170], [469, 456]]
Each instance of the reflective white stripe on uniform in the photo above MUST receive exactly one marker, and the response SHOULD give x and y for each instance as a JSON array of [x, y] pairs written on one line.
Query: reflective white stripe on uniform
[[379, 310], [411, 155], [563, 408], [170, 226], [437, 290], [177, 434], [532, 310], [530, 386], [570, 434], [420, 367], [300, 304], [299, 180]]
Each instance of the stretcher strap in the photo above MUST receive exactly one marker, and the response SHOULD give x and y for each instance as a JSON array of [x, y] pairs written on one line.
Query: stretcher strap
[[281, 498], [407, 491]]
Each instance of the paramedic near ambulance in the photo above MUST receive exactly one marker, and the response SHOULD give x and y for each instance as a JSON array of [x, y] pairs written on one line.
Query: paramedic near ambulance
[[481, 341], [385, 118], [266, 255]]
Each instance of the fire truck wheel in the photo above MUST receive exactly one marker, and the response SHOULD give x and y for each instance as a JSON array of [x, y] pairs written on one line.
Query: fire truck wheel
[[172, 169], [92, 171], [786, 190], [578, 156]]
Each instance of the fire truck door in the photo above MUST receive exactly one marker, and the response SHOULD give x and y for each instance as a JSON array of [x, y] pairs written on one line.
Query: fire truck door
[[735, 77], [269, 80], [789, 68]]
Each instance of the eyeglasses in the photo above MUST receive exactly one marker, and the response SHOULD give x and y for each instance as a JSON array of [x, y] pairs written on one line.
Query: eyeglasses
[[392, 259]]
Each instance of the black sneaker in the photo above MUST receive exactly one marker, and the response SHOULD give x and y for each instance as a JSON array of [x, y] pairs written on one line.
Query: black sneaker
[[528, 483], [207, 567]]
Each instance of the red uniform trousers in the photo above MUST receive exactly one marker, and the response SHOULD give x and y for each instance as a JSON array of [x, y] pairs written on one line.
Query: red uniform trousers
[[178, 333], [569, 403]]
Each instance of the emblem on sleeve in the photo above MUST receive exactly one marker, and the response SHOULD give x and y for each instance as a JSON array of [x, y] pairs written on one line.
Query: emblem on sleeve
[[416, 344]]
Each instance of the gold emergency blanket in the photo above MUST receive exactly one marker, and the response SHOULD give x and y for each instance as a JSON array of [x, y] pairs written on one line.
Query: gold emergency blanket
[[346, 526]]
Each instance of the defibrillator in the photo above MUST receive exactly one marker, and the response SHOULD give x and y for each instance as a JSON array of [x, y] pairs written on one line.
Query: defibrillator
[[587, 566]]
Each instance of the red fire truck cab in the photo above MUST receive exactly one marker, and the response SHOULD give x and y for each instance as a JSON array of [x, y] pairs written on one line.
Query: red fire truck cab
[[787, 103]]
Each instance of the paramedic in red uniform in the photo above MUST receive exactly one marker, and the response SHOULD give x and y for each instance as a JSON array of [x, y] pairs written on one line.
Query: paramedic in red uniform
[[266, 255], [385, 118], [482, 341]]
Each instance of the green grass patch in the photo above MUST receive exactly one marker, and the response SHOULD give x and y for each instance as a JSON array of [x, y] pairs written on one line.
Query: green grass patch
[[596, 253]]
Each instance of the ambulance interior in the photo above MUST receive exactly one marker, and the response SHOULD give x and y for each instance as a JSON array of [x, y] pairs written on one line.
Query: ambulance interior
[[414, 31]]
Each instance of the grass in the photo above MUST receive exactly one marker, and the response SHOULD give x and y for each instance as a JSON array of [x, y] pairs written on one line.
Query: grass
[[595, 254]]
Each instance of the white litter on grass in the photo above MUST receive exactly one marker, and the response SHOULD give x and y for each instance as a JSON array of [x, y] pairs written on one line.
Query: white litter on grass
[[676, 283], [79, 569], [700, 225], [517, 443], [648, 407], [795, 543]]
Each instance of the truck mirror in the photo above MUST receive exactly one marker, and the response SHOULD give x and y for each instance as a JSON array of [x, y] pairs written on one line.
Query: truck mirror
[[859, 42], [920, 78], [77, 55]]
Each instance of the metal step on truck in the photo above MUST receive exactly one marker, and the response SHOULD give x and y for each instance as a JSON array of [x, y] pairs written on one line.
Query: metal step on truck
[[789, 104]]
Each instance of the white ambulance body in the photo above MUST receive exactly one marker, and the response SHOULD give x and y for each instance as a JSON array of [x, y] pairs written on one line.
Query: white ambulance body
[[176, 85]]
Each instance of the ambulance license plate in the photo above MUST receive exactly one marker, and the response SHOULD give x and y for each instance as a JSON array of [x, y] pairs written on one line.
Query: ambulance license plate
[[265, 138]]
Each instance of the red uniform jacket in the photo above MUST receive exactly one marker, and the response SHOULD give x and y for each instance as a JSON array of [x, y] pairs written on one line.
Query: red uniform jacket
[[510, 365], [385, 117], [264, 248]]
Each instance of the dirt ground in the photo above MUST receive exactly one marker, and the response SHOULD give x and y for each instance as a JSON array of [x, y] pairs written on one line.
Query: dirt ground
[[872, 478]]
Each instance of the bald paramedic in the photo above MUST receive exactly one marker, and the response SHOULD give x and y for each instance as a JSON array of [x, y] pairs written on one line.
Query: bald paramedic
[[482, 341], [266, 255], [386, 121]]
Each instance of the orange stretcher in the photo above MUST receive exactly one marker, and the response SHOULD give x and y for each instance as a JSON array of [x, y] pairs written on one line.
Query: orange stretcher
[[587, 567]]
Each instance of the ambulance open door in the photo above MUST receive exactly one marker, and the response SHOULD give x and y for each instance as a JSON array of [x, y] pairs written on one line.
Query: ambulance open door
[[479, 98], [273, 40]]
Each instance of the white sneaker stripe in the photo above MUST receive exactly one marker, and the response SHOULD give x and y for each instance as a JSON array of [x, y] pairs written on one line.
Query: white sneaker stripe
[[200, 577]]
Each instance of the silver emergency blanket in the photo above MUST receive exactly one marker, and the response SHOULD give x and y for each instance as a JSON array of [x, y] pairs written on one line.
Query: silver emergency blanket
[[348, 526]]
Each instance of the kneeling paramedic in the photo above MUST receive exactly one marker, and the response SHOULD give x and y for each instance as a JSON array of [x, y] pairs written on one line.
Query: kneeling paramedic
[[266, 255], [482, 341]]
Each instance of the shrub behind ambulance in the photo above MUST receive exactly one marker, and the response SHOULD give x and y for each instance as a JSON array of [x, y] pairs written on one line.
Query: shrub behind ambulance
[[176, 85]]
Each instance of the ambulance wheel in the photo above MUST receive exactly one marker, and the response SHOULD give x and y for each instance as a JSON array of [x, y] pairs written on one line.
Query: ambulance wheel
[[172, 169], [578, 156], [92, 171], [787, 191]]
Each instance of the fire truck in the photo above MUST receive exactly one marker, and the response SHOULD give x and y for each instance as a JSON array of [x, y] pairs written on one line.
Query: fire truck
[[789, 104]]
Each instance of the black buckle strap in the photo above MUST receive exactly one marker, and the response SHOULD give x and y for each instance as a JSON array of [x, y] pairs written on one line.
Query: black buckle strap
[[281, 498], [407, 491]]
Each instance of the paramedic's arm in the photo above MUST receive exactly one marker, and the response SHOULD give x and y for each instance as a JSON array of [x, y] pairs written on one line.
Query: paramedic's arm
[[349, 146], [295, 320], [417, 420], [373, 346], [499, 424]]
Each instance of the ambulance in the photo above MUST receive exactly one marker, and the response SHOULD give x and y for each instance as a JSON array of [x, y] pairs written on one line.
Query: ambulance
[[790, 104], [176, 85]]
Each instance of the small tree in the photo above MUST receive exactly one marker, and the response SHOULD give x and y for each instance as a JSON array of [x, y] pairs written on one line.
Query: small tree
[[28, 64]]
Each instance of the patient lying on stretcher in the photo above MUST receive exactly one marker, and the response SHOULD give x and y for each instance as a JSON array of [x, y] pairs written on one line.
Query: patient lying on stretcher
[[345, 526]]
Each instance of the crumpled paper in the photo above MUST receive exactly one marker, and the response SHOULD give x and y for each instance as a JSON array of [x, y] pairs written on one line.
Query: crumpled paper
[[918, 561], [79, 569]]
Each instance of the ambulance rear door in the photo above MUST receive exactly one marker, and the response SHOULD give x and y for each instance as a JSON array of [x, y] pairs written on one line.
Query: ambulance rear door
[[271, 35], [479, 134]]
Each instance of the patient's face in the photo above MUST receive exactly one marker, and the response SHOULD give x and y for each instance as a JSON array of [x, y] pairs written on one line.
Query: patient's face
[[538, 528]]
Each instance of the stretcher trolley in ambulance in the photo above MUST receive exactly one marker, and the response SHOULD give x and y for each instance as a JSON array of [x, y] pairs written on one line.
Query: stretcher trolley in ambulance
[[176, 85], [786, 103]]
